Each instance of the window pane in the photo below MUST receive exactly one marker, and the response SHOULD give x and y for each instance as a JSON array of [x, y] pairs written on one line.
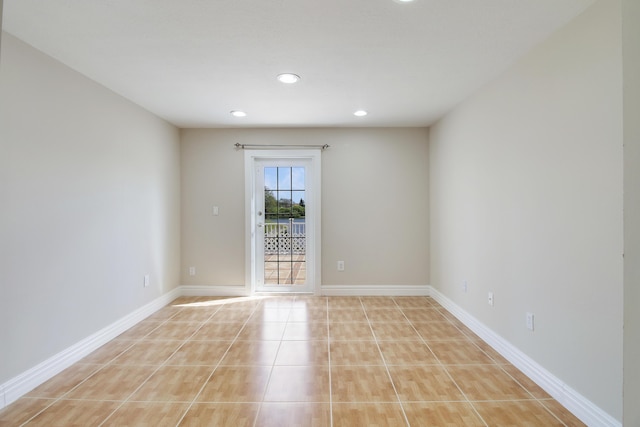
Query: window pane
[[284, 204], [284, 273], [270, 204], [284, 178], [297, 179], [271, 273], [271, 178]]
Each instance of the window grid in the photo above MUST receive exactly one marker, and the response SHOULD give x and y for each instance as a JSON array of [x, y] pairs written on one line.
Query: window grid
[[285, 241]]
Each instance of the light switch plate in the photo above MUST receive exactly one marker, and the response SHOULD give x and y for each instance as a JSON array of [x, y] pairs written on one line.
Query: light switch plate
[[530, 321]]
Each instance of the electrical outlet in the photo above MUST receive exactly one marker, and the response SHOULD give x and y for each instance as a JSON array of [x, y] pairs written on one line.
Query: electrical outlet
[[192, 271], [146, 280], [490, 299], [530, 321], [465, 286], [340, 265]]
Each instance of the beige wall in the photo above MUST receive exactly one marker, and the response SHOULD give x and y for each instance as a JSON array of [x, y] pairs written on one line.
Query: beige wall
[[525, 181], [631, 61], [526, 202], [374, 204], [89, 188], [1, 10]]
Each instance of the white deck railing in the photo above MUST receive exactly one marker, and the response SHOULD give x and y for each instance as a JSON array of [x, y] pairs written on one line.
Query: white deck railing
[[285, 238]]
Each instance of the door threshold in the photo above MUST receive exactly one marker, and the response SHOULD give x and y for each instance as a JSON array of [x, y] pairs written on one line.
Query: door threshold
[[281, 293]]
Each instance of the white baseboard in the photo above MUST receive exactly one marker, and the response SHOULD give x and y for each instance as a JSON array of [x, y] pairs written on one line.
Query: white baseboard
[[213, 291], [581, 407], [18, 386], [375, 290], [326, 290]]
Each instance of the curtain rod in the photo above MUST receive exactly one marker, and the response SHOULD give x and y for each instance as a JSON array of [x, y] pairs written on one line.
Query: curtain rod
[[267, 146]]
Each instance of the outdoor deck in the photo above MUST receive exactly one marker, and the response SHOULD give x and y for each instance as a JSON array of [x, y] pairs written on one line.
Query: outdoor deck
[[285, 254]]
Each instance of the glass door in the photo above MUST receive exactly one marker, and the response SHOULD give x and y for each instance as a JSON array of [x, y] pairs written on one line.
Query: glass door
[[282, 226]]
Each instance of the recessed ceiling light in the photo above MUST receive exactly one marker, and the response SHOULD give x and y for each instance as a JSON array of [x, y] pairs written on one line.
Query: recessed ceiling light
[[237, 113], [288, 78], [360, 113]]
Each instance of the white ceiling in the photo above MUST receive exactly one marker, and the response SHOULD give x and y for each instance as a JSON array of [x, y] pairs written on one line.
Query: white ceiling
[[193, 61]]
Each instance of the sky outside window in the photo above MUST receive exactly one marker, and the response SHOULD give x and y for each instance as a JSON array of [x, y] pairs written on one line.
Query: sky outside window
[[286, 178]]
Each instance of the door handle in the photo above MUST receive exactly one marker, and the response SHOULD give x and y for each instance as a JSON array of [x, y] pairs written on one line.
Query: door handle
[[260, 224]]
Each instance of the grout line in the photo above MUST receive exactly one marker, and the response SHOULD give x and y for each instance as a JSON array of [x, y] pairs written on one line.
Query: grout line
[[444, 367], [266, 387], [163, 364], [501, 366], [539, 401], [53, 402], [103, 365], [551, 412], [329, 362], [195, 398], [404, 414]]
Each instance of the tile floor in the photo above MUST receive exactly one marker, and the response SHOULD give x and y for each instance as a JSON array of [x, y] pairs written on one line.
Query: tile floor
[[292, 361]]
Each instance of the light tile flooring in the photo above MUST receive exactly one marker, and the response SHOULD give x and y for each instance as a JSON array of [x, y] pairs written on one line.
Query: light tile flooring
[[292, 361]]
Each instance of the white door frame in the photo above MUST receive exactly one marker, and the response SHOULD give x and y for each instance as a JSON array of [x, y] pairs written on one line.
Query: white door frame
[[251, 157]]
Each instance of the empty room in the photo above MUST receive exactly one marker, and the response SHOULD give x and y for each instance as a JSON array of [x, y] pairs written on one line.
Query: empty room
[[336, 213]]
